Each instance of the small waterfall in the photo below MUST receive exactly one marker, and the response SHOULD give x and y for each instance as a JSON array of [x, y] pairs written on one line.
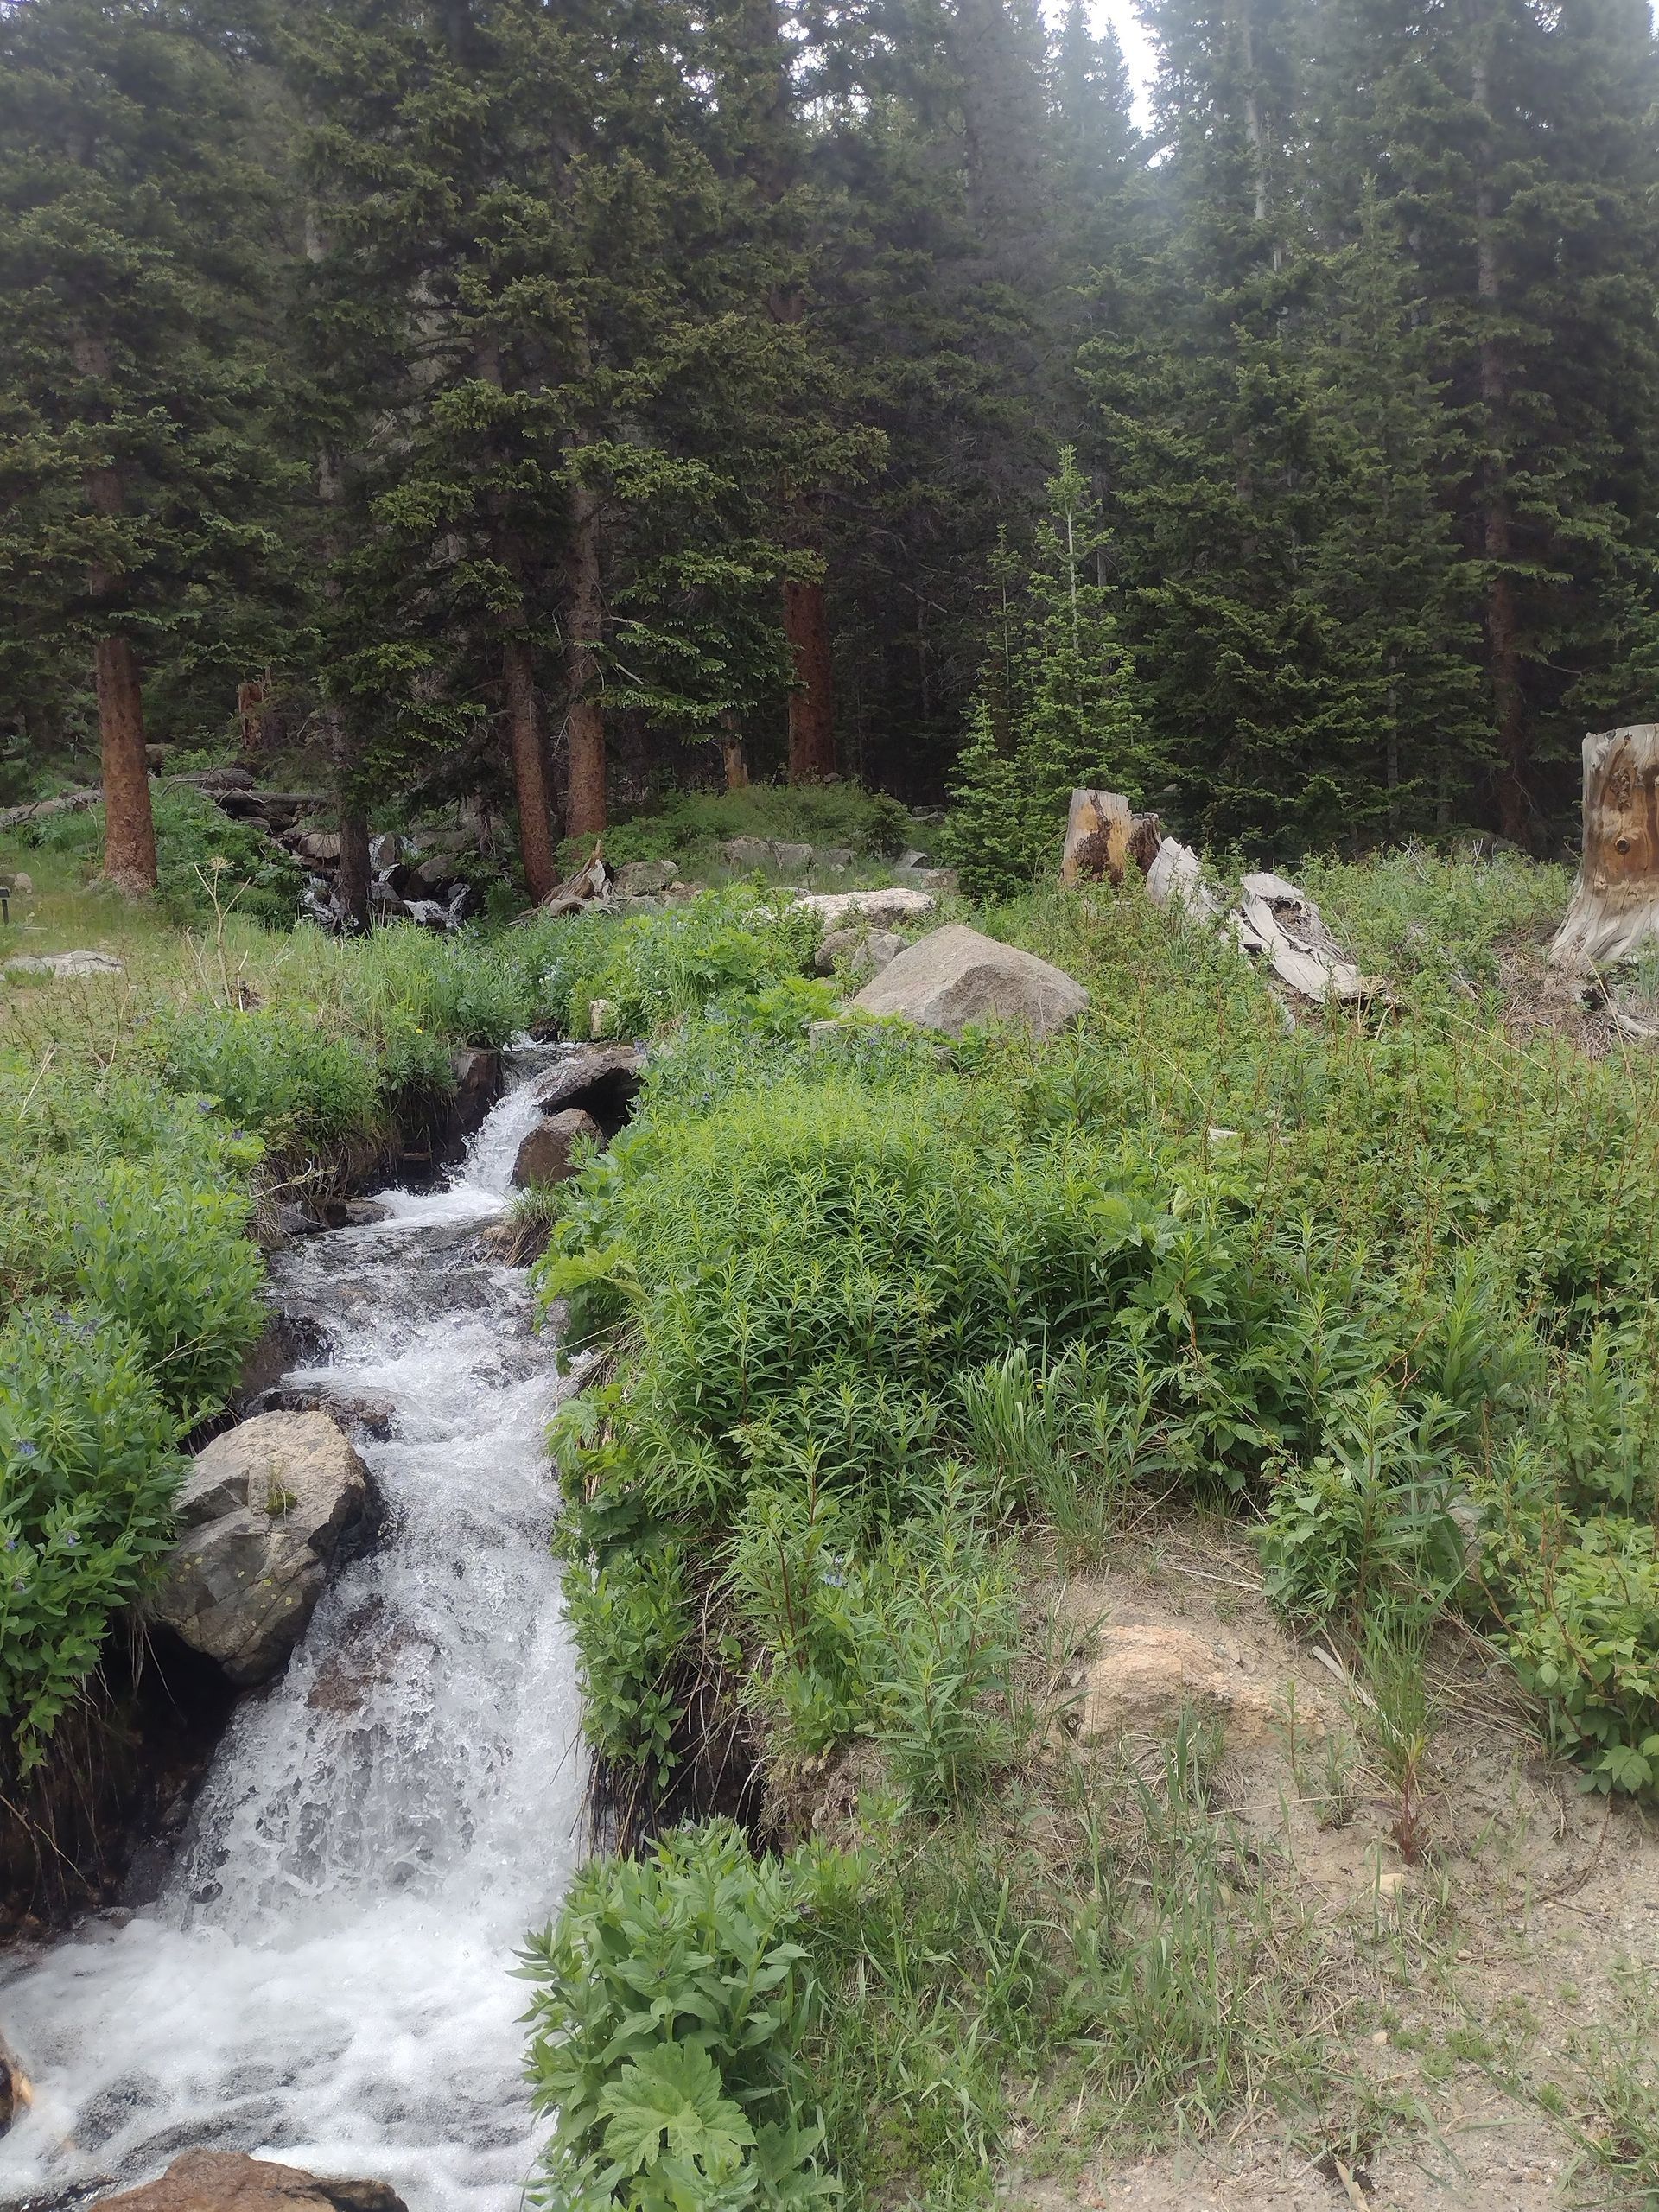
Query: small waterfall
[[327, 1976]]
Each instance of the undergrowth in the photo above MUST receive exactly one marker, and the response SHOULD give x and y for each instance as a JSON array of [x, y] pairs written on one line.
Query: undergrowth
[[885, 1315]]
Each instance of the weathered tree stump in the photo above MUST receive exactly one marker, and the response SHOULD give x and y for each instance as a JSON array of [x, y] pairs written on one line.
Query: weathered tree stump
[[1615, 907], [1104, 834]]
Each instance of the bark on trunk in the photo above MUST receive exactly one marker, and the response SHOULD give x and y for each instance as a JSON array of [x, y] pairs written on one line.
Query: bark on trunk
[[585, 812], [731, 745], [129, 827], [811, 705], [1502, 624], [529, 772], [1615, 907]]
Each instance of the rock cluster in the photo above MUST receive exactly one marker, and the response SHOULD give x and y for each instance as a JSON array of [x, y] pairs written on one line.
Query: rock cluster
[[589, 1094], [264, 1511], [772, 853]]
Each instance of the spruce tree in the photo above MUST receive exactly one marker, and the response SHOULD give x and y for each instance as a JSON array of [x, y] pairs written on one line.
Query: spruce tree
[[1058, 705], [142, 482]]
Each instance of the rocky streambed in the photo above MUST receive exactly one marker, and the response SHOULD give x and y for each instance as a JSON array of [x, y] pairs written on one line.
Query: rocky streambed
[[325, 1973]]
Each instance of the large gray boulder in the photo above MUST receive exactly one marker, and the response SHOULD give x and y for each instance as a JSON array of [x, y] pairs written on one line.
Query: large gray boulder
[[954, 975], [263, 1513]]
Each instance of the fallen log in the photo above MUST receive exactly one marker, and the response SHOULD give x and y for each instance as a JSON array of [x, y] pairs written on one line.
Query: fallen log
[[1274, 921], [1615, 906]]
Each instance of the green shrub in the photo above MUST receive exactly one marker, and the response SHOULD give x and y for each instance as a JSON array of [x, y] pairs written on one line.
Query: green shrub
[[175, 1266], [1368, 1525], [89, 1466], [275, 1071], [200, 852], [718, 949], [670, 2007], [691, 826]]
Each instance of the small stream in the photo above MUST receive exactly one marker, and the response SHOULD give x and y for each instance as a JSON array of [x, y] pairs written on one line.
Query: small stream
[[327, 1974]]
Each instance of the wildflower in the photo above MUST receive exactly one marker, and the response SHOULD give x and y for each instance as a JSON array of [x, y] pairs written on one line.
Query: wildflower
[[71, 1541], [25, 1449]]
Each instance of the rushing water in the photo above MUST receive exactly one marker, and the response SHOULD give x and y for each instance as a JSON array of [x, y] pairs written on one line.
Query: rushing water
[[327, 1975]]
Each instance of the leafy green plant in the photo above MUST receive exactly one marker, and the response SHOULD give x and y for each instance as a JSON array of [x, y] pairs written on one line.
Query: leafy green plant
[[1369, 1525], [89, 1466], [669, 2010], [953, 1643]]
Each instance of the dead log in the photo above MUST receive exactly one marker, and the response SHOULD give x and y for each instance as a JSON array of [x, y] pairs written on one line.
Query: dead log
[[1274, 921], [1615, 907], [1104, 834]]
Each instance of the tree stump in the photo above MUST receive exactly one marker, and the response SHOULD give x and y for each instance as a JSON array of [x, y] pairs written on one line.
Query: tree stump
[[1104, 834], [1615, 907]]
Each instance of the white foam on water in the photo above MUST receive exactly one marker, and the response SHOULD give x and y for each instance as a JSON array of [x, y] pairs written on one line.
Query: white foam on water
[[328, 1975]]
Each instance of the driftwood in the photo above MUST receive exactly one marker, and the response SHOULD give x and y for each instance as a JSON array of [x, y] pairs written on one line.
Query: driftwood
[[1274, 921], [592, 881], [1615, 909], [1104, 834]]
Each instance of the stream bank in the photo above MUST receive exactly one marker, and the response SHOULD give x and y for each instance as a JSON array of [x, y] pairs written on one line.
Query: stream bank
[[325, 1971]]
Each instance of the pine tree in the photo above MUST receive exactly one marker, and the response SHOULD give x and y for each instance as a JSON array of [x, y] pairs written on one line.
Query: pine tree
[[1058, 705], [142, 483], [1401, 724]]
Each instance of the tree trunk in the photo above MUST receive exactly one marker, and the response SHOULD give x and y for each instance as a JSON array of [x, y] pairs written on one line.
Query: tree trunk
[[529, 760], [1615, 906], [585, 812], [129, 826], [731, 745], [811, 705], [1502, 626]]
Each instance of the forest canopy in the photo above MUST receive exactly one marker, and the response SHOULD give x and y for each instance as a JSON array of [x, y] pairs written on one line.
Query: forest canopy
[[551, 398]]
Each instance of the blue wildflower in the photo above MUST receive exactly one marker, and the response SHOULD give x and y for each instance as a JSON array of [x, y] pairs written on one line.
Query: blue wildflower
[[24, 1449]]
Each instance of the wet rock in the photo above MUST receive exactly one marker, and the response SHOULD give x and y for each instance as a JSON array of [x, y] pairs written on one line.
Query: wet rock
[[282, 1343], [546, 1155], [359, 1411], [954, 977], [1143, 1678], [478, 1085], [359, 1213], [16, 2092], [643, 878], [264, 1509], [226, 2180], [65, 966], [604, 1078]]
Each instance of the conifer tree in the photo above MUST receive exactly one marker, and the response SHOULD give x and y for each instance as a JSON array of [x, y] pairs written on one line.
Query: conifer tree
[[1058, 706], [140, 482], [1400, 724]]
